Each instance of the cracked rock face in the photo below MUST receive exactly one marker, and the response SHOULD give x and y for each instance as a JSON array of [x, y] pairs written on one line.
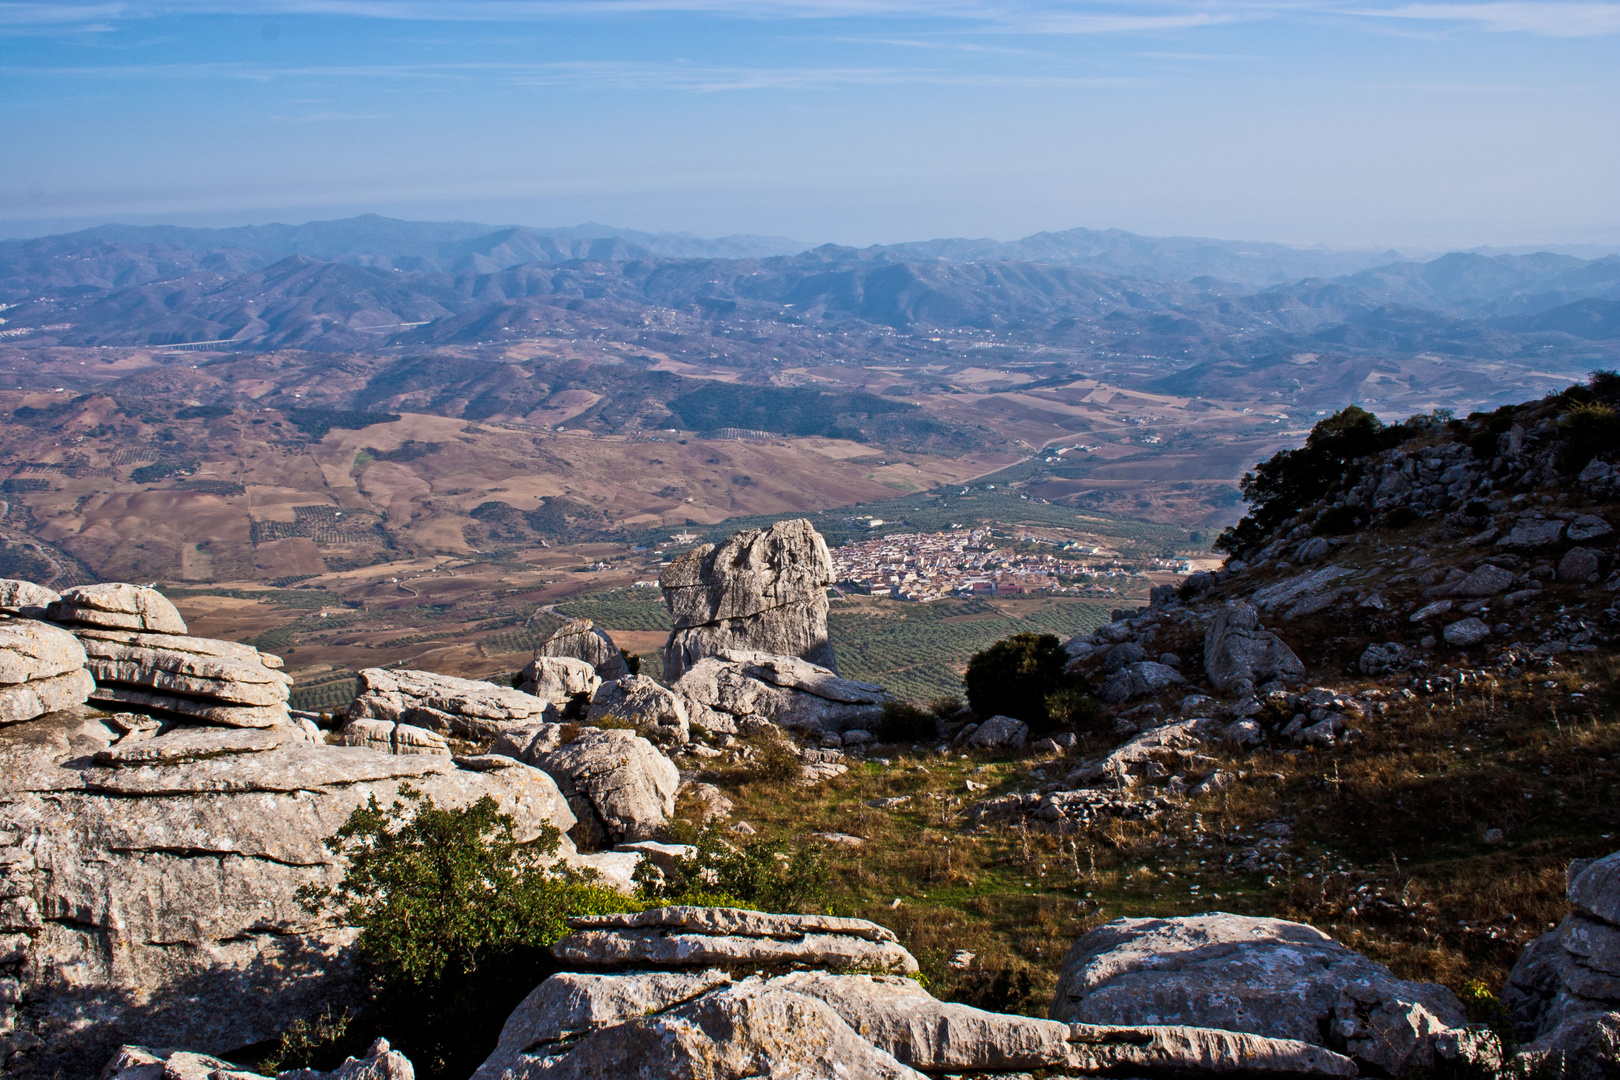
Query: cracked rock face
[[118, 606], [582, 639], [1268, 977], [1567, 981], [619, 785], [41, 669], [1238, 655], [763, 590], [151, 879], [688, 966], [657, 712], [739, 691], [464, 708]]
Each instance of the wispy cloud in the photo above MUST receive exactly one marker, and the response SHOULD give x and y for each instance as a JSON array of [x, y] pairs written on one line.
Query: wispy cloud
[[1553, 19], [604, 75]]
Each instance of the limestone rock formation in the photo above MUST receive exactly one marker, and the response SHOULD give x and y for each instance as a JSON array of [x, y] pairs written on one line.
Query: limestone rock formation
[[391, 737], [763, 590], [1266, 977], [999, 733], [1567, 981], [582, 639], [117, 606], [150, 879], [25, 598], [201, 679], [619, 785], [464, 708], [732, 939], [41, 669], [674, 969], [381, 1062], [739, 691], [1139, 679], [564, 681], [654, 710], [1239, 656]]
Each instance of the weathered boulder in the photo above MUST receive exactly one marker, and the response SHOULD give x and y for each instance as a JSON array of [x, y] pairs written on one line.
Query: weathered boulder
[[464, 708], [1579, 564], [151, 881], [1465, 632], [741, 691], [1531, 534], [1572, 972], [118, 606], [41, 670], [1583, 1047], [763, 590], [1586, 527], [571, 1005], [1131, 759], [1379, 659], [1486, 580], [381, 1062], [1301, 595], [582, 639], [218, 682], [1139, 679], [391, 737], [1238, 655], [1000, 733], [741, 1032], [619, 785], [565, 682], [1267, 977], [900, 1017], [730, 939], [26, 599], [654, 710]]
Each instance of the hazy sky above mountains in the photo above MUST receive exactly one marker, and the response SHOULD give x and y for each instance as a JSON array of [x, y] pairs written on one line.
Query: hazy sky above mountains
[[1419, 125]]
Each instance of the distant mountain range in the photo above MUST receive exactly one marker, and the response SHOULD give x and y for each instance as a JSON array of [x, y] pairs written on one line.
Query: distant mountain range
[[369, 282]]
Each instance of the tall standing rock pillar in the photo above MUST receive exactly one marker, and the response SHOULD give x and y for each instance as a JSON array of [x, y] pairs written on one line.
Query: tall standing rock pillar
[[763, 590]]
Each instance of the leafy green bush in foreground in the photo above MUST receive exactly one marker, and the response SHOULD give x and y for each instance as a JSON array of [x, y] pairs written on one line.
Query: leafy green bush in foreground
[[1023, 677], [455, 913]]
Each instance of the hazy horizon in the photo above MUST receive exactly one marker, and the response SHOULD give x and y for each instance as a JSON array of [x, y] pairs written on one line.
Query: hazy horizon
[[1413, 126]]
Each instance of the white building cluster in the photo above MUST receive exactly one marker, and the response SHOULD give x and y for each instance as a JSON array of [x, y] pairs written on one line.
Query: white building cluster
[[964, 562]]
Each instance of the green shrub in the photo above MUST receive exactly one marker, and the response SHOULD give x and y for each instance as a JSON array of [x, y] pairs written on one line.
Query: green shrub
[[903, 722], [764, 874], [774, 761], [1020, 676], [1290, 480], [1071, 707], [321, 1042], [1588, 430], [455, 913], [631, 661]]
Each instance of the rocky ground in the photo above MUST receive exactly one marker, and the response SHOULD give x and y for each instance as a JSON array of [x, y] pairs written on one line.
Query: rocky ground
[[1342, 799]]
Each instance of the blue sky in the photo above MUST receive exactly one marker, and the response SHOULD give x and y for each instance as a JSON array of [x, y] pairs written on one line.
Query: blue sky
[[1415, 125]]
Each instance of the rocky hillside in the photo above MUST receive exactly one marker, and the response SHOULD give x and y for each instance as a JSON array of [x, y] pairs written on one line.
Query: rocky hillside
[[1347, 807]]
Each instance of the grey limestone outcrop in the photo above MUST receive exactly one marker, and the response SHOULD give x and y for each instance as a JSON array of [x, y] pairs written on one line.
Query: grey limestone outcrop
[[1266, 977], [620, 786], [463, 708], [763, 590], [150, 872], [1563, 994], [581, 639], [737, 691], [41, 669]]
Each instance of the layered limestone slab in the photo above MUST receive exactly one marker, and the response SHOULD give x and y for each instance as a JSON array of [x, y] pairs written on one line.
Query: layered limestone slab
[[118, 606]]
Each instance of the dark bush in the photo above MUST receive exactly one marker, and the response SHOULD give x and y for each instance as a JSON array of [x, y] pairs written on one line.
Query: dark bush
[[455, 914], [1019, 676], [631, 661], [1588, 430], [1337, 520], [1290, 480], [903, 722], [1000, 990], [1072, 707]]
